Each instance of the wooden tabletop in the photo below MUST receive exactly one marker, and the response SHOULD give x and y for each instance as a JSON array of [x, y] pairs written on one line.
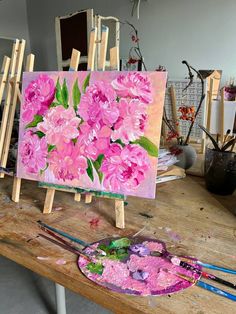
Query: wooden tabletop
[[184, 215]]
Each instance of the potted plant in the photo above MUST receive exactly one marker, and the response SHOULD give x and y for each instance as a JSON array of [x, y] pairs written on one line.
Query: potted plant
[[220, 165], [230, 90], [185, 152]]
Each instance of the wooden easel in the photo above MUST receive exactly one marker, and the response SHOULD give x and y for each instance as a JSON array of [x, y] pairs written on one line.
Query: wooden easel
[[17, 181], [119, 199]]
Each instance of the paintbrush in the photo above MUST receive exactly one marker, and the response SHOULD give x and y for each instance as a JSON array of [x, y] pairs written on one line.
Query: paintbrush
[[210, 266], [179, 262], [203, 285], [77, 240], [66, 247], [68, 244]]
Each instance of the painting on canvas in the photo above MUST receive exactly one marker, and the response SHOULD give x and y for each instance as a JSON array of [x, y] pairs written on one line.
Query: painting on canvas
[[97, 130]]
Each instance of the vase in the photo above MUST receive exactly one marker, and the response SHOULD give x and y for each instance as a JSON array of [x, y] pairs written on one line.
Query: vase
[[220, 171], [186, 155]]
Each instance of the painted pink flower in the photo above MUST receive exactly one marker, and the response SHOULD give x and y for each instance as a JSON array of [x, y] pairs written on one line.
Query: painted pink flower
[[124, 168], [38, 95], [60, 125], [99, 104], [93, 140], [33, 152], [131, 122], [133, 85], [30, 109], [66, 163]]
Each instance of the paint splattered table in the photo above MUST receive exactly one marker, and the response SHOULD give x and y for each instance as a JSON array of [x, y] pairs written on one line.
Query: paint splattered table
[[184, 215]]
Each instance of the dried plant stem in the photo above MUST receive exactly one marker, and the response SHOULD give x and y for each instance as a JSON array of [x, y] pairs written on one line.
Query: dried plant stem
[[201, 100]]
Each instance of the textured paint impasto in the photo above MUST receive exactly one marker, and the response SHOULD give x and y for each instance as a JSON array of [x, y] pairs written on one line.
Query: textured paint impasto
[[97, 130], [132, 266]]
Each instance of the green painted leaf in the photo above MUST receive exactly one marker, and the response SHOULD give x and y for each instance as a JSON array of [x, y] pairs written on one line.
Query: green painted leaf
[[120, 243], [54, 104], [40, 134], [74, 140], [86, 82], [34, 123], [51, 147], [90, 169], [120, 142], [76, 95], [95, 268], [59, 92], [147, 145], [65, 94], [97, 164], [104, 248], [42, 170]]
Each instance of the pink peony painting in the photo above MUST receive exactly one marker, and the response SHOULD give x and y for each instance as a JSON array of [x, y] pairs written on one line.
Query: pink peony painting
[[92, 130]]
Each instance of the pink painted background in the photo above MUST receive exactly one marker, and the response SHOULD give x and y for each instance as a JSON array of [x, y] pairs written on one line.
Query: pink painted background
[[56, 149]]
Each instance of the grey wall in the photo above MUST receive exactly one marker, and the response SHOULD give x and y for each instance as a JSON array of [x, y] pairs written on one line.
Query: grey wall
[[13, 20], [170, 30]]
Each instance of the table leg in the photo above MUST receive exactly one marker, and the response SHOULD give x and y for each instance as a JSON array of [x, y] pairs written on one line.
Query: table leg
[[60, 299]]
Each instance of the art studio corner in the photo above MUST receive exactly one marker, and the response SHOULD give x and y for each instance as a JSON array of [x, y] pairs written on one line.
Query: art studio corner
[[117, 157]]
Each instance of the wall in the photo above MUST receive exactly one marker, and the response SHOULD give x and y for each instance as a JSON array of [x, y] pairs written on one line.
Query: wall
[[13, 20], [199, 31]]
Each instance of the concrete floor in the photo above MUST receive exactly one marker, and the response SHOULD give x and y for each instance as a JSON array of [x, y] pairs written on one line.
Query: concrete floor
[[24, 292]]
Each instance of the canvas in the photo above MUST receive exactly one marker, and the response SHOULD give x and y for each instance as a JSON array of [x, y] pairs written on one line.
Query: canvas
[[97, 130]]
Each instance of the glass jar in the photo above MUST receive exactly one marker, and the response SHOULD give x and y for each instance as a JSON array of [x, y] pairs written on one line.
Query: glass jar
[[220, 171]]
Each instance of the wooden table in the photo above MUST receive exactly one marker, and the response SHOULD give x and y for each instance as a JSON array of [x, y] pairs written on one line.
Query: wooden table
[[184, 215]]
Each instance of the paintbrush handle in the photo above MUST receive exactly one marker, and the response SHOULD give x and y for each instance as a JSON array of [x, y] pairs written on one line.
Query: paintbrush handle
[[187, 266], [219, 280], [60, 239], [210, 266], [65, 247], [215, 290], [70, 249], [64, 234]]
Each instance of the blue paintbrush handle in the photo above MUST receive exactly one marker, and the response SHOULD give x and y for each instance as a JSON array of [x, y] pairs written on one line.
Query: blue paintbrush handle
[[216, 290], [225, 270], [66, 235]]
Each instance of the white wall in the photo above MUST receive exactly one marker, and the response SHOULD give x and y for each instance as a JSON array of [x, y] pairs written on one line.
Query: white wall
[[13, 20], [200, 31]]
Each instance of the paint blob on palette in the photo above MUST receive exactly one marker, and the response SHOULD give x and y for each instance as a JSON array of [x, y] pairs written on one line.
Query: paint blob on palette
[[132, 267], [97, 130]]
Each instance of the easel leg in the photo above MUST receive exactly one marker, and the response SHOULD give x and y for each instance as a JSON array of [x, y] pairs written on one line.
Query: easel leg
[[48, 201], [16, 189], [77, 197], [60, 299], [120, 214], [88, 198]]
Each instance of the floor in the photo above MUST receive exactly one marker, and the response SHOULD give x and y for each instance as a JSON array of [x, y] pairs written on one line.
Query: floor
[[24, 292]]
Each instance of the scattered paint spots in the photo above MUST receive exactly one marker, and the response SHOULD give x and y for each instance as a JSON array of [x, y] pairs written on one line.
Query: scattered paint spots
[[201, 208], [57, 208], [146, 215], [94, 222], [173, 235], [43, 258], [61, 262]]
